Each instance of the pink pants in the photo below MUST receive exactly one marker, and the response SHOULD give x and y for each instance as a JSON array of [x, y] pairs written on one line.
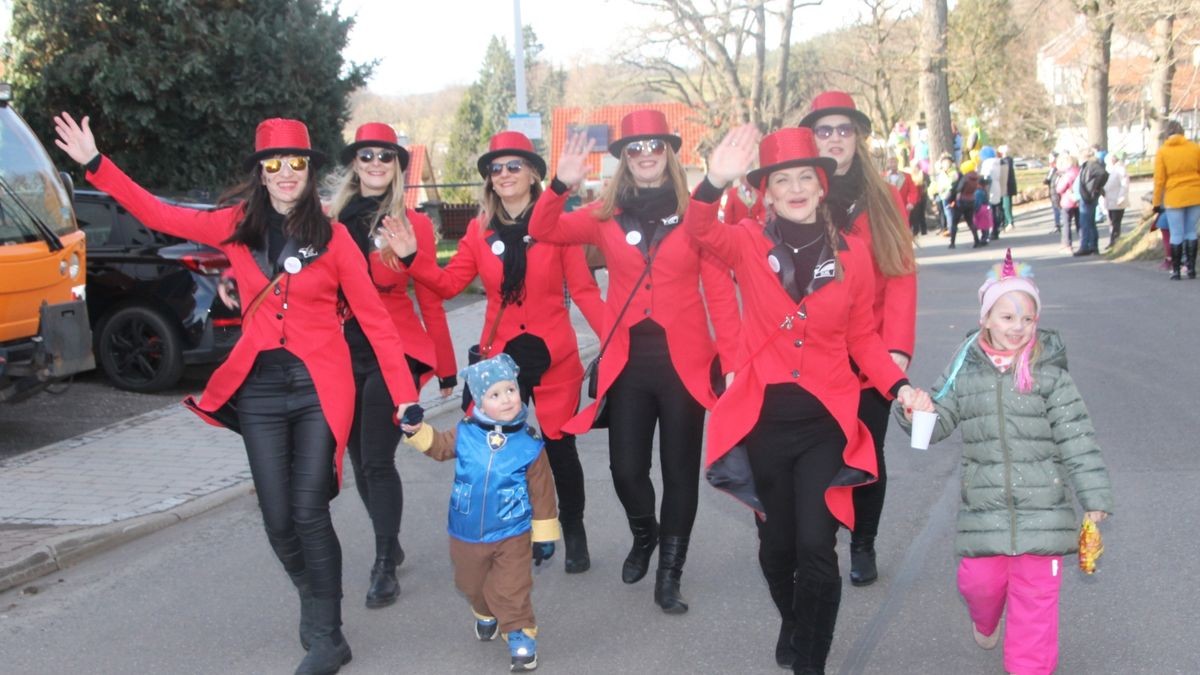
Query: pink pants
[[1028, 585]]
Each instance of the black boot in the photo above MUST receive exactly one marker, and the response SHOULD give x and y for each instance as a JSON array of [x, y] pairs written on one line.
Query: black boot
[[1189, 248], [384, 588], [329, 650], [306, 626], [575, 542], [816, 609], [645, 538], [672, 553], [862, 560], [1176, 261]]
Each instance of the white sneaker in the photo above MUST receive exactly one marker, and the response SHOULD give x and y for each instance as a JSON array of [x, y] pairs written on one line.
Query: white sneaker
[[986, 641]]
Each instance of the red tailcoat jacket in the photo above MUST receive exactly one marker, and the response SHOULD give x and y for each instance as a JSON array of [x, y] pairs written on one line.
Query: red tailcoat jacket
[[426, 339], [669, 294], [543, 313], [895, 301], [810, 344], [302, 318]]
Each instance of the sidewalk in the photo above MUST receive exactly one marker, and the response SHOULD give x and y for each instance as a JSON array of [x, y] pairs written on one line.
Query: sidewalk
[[85, 495]]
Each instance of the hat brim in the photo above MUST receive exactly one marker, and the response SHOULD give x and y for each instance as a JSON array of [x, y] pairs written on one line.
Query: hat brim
[[858, 116], [757, 176], [315, 157], [347, 154], [616, 147], [532, 157]]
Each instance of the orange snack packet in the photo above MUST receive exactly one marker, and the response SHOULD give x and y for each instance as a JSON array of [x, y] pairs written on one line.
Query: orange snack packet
[[1091, 546]]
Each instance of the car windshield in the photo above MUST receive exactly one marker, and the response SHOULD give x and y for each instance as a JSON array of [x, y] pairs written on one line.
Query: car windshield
[[36, 190]]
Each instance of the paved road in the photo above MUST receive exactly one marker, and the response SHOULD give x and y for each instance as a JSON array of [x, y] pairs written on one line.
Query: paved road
[[207, 596]]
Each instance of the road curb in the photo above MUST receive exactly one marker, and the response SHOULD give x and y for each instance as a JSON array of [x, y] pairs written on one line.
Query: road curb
[[63, 551]]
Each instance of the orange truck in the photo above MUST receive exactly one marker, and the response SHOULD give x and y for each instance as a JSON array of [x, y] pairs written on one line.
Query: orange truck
[[44, 333]]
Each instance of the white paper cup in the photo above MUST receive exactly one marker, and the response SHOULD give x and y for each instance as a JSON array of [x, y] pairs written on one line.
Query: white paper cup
[[922, 428]]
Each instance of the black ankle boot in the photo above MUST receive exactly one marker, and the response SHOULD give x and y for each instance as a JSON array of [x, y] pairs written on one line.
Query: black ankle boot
[[300, 580], [575, 542], [672, 553], [816, 611], [1176, 261], [1189, 248], [645, 538], [862, 561], [384, 588], [329, 650], [785, 653]]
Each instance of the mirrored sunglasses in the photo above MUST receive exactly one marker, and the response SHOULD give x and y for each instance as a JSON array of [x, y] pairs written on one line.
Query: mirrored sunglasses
[[826, 131], [513, 166], [367, 155], [654, 146], [274, 164]]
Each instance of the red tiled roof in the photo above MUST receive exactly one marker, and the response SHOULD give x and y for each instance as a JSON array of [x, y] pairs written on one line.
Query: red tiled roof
[[682, 119], [414, 175]]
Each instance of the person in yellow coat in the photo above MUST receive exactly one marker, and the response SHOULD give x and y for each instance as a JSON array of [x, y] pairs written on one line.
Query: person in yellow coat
[[1177, 193]]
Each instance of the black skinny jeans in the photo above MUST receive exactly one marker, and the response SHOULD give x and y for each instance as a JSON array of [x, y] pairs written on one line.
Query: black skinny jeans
[[794, 457], [290, 448], [649, 392], [963, 211], [873, 410]]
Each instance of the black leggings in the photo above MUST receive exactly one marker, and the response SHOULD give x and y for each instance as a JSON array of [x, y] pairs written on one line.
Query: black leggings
[[290, 448], [793, 461], [874, 411], [372, 447], [964, 211], [648, 392]]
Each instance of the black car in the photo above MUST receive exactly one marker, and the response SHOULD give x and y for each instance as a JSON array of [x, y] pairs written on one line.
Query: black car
[[152, 298]]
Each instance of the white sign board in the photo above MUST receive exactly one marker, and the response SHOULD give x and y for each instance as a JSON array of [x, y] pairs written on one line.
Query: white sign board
[[530, 125]]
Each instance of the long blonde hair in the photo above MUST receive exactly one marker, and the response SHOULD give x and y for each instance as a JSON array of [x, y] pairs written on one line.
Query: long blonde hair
[[345, 186], [622, 184], [490, 203], [891, 238]]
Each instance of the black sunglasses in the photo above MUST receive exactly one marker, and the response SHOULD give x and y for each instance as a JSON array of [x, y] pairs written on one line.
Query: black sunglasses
[[654, 146], [513, 166], [826, 131], [366, 155]]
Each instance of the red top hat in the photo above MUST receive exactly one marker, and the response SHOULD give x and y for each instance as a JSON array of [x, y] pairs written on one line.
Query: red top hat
[[834, 103], [643, 125], [511, 143], [279, 136], [375, 135], [786, 148]]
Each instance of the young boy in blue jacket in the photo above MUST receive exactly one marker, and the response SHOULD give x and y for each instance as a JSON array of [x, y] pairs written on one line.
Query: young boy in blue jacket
[[503, 513]]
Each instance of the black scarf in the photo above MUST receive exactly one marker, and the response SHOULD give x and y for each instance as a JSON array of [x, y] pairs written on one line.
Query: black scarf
[[512, 288], [649, 206], [358, 215], [276, 238], [844, 192]]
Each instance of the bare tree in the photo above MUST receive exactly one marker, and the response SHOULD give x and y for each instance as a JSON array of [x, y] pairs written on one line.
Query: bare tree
[[935, 90], [1163, 44], [1099, 18]]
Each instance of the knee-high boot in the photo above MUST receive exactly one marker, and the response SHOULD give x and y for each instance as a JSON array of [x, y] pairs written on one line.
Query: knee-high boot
[[384, 588], [300, 580], [329, 650], [1189, 247], [672, 553], [816, 607], [645, 539], [781, 583], [1176, 261]]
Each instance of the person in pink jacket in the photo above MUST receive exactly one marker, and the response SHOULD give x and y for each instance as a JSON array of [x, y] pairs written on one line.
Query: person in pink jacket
[[1068, 198]]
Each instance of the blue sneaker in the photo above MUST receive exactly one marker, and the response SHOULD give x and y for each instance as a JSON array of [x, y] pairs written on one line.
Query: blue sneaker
[[523, 649], [485, 629]]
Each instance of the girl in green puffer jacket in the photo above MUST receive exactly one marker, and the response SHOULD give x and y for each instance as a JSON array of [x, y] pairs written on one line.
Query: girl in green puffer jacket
[[1026, 433]]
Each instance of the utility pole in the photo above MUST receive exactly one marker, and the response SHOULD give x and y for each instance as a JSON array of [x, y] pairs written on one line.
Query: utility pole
[[519, 57]]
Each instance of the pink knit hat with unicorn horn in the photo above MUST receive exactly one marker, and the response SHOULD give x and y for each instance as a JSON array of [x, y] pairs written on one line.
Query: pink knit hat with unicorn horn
[[1004, 278]]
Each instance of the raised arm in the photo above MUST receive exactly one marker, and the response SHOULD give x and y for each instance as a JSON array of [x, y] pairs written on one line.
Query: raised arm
[[433, 312], [548, 222], [421, 258]]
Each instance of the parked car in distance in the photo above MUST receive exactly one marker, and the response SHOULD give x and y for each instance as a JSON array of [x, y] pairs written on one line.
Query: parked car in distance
[[1028, 163], [152, 298]]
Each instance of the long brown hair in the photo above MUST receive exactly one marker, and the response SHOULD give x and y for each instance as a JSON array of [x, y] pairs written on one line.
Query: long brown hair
[[307, 222], [346, 185], [491, 203], [622, 185], [891, 238]]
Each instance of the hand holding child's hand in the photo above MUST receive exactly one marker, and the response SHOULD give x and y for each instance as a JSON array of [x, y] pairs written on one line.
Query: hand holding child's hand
[[542, 551], [1095, 516], [911, 399]]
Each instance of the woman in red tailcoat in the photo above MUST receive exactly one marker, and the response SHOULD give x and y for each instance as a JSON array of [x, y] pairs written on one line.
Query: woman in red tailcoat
[[370, 187], [659, 359], [527, 316], [862, 203], [289, 374], [786, 438]]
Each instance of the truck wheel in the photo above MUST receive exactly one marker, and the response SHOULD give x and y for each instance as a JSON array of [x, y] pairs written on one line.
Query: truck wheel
[[139, 350]]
